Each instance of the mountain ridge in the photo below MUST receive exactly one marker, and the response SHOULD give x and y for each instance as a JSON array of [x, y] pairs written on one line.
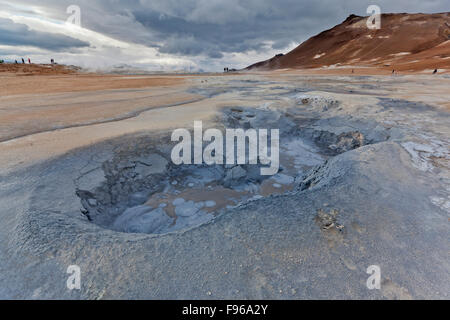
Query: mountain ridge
[[404, 42]]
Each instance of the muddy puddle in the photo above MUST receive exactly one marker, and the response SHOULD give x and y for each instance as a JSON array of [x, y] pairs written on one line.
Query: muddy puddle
[[147, 193]]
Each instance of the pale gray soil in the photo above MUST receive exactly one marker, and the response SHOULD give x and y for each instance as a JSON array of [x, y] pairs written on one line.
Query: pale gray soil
[[365, 181]]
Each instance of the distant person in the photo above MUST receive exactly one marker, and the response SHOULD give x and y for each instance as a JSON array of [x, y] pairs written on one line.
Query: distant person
[[435, 71], [23, 60], [17, 62], [52, 61], [29, 60]]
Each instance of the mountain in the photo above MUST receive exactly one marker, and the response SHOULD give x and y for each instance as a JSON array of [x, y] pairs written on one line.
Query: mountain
[[405, 42]]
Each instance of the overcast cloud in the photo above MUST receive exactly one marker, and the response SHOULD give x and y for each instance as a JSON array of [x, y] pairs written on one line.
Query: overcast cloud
[[176, 35], [17, 34]]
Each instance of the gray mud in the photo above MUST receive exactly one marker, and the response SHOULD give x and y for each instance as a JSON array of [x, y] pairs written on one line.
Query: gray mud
[[142, 191], [355, 189]]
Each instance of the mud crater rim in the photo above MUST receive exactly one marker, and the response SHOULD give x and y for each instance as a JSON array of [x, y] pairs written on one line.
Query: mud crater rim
[[147, 194]]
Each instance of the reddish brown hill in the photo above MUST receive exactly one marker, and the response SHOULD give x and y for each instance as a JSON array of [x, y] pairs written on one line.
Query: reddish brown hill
[[404, 42]]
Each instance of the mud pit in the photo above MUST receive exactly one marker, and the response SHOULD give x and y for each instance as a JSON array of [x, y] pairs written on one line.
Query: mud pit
[[363, 181], [148, 194]]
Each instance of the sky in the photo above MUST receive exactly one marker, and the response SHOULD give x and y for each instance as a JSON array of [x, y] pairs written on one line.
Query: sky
[[174, 35]]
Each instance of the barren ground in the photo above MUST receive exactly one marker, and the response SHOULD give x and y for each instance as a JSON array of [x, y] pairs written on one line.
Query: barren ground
[[365, 181]]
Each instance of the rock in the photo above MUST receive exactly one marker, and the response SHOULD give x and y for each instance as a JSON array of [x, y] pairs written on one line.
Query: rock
[[327, 221], [234, 175], [238, 173], [348, 141]]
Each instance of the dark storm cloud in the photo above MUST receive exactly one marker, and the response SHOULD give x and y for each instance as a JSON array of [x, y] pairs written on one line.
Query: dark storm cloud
[[16, 34], [180, 36], [214, 27]]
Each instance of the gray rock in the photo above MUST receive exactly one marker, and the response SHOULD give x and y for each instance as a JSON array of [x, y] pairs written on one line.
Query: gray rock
[[234, 175], [238, 173]]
